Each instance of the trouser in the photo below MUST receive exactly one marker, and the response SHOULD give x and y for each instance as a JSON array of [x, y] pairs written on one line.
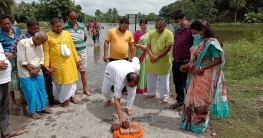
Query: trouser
[[152, 82], [179, 79], [112, 87], [4, 110], [48, 84]]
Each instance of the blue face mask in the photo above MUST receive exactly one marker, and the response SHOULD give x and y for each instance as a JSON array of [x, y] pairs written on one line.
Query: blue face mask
[[177, 26], [197, 36]]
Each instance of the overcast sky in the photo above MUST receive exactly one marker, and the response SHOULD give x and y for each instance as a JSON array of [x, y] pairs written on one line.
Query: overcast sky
[[123, 6]]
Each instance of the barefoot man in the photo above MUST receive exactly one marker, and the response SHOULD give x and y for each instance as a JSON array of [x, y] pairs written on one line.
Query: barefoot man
[[159, 64], [120, 73], [79, 36], [62, 63]]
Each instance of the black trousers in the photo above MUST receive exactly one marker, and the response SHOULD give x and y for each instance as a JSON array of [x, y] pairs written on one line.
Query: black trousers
[[112, 87], [48, 84], [179, 79]]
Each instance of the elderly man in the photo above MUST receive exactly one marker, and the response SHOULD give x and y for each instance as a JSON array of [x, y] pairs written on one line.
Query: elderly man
[[30, 59], [8, 34], [32, 28], [120, 73], [121, 42], [5, 78], [61, 59], [159, 64], [78, 33]]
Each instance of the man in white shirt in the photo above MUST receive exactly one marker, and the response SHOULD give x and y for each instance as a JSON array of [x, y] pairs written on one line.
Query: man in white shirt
[[120, 73], [5, 78], [30, 59]]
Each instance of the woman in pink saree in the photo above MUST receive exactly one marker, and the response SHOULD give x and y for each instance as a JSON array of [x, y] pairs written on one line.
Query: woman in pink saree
[[140, 42], [206, 92]]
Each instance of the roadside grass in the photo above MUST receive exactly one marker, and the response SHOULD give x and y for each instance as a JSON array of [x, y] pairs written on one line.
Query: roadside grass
[[243, 73]]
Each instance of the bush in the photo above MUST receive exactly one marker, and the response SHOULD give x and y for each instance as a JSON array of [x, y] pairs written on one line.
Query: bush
[[253, 17], [21, 25], [244, 57]]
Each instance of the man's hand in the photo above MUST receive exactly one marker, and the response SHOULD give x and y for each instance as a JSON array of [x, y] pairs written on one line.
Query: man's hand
[[154, 58], [8, 55], [184, 68], [106, 59], [49, 70], [77, 64], [121, 121], [3, 65]]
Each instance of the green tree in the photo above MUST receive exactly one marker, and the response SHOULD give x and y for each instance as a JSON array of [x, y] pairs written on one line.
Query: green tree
[[237, 4], [205, 9], [151, 17], [186, 5], [7, 6], [98, 13], [55, 8]]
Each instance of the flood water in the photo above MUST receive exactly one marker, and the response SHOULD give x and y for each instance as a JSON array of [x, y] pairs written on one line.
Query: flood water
[[96, 65]]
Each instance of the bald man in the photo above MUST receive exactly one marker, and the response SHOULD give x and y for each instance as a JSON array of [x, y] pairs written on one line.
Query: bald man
[[30, 59]]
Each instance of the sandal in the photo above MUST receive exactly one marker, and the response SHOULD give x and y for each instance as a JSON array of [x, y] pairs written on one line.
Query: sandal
[[35, 116], [47, 110], [174, 106]]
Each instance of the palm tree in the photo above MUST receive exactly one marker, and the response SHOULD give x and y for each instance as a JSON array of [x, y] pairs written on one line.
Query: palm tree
[[6, 6], [237, 4]]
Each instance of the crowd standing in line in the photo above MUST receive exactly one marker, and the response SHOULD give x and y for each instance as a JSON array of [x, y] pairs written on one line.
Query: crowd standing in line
[[36, 57]]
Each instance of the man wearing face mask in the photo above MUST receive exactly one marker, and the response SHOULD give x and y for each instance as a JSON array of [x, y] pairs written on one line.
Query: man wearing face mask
[[183, 40]]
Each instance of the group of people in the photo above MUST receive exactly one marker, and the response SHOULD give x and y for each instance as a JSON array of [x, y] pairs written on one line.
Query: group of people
[[38, 60], [136, 63], [198, 59], [94, 31]]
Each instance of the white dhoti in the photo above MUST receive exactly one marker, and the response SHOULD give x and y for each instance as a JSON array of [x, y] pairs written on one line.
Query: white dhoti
[[65, 91]]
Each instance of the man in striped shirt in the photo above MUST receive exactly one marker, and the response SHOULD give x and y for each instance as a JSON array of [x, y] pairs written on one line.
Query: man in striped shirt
[[78, 33]]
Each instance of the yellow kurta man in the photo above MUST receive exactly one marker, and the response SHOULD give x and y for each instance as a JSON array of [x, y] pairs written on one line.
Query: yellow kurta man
[[62, 66]]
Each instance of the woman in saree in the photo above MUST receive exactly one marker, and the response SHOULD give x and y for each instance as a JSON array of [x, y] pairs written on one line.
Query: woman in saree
[[140, 41], [206, 92]]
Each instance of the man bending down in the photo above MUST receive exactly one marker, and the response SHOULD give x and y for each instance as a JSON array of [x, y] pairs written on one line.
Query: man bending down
[[120, 73]]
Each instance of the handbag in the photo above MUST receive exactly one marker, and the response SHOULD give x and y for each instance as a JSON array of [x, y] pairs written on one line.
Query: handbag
[[65, 50], [63, 47]]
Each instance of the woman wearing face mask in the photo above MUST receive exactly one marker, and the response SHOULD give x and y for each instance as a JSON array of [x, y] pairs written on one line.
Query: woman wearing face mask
[[140, 42], [206, 92]]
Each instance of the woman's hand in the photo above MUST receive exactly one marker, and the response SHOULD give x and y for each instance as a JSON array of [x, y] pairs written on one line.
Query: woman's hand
[[197, 71]]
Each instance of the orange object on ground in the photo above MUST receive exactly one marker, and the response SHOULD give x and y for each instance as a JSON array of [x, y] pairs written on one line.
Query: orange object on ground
[[117, 134]]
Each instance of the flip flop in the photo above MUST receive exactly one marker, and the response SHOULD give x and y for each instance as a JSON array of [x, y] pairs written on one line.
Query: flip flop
[[16, 108], [35, 116], [47, 110]]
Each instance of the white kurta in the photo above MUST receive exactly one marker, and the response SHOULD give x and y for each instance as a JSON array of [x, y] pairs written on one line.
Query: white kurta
[[5, 75], [115, 74], [28, 54]]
